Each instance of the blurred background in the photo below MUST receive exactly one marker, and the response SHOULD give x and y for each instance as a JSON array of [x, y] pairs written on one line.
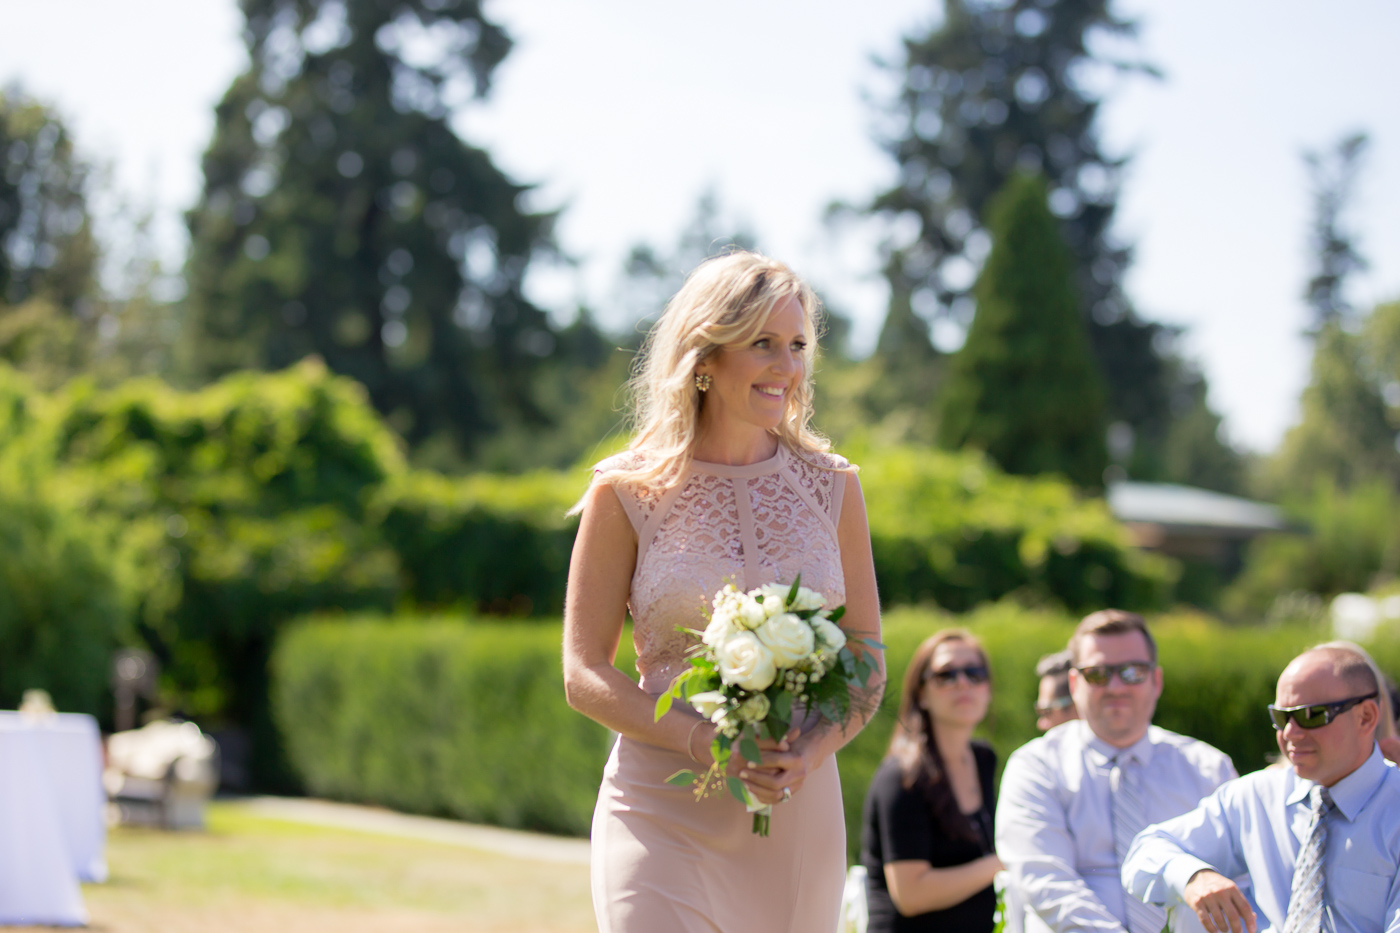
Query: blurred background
[[313, 313]]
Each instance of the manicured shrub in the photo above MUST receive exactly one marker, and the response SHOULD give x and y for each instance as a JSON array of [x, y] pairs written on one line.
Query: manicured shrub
[[494, 544], [439, 716], [952, 529], [469, 719]]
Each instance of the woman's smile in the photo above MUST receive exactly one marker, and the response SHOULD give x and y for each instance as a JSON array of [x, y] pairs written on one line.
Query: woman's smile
[[753, 380]]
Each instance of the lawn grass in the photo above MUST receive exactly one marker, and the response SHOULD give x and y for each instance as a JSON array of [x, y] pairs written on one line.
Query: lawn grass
[[250, 872]]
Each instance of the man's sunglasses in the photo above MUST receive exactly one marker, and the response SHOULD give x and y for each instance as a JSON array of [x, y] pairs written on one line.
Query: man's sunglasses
[[975, 674], [1054, 706], [1132, 673], [1315, 716]]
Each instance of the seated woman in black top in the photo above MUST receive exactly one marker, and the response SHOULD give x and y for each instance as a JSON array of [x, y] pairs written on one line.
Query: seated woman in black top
[[927, 841]]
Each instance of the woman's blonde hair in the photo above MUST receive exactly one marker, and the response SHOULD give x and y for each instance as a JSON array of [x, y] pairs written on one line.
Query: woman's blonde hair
[[725, 301]]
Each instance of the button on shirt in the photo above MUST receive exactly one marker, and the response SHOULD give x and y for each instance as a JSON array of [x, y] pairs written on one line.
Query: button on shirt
[[1055, 825], [1258, 824]]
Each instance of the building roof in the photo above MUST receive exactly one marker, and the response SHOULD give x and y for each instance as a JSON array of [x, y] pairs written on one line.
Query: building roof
[[1170, 504]]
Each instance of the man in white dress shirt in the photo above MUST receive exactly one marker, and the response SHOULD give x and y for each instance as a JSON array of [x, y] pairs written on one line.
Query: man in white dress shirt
[[1320, 840], [1072, 800]]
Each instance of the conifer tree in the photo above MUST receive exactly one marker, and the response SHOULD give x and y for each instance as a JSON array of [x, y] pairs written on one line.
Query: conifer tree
[[997, 87], [1345, 437], [343, 216], [1024, 386], [47, 249], [1335, 254]]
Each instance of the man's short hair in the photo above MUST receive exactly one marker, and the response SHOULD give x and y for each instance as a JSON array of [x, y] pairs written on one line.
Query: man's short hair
[[1111, 622], [1352, 666], [1056, 665]]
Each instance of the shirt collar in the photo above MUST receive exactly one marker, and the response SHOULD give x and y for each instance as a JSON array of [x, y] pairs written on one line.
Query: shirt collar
[[1140, 751], [1352, 792]]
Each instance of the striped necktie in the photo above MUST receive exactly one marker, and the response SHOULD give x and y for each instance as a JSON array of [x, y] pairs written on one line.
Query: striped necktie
[[1128, 821], [1309, 885]]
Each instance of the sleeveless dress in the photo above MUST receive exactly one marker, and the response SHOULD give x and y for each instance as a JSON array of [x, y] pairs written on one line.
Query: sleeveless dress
[[660, 859]]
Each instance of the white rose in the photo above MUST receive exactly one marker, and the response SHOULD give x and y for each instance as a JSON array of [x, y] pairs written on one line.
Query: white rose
[[807, 599], [832, 636], [743, 660], [709, 703], [722, 626], [774, 598], [788, 637], [754, 708], [749, 612]]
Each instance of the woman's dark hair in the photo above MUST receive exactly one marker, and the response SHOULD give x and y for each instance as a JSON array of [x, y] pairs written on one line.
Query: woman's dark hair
[[914, 745]]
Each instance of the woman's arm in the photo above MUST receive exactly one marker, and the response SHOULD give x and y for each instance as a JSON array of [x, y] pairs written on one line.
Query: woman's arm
[[861, 620], [916, 887], [595, 607]]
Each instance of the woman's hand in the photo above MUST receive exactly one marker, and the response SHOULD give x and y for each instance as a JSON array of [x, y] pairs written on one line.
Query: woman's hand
[[781, 772]]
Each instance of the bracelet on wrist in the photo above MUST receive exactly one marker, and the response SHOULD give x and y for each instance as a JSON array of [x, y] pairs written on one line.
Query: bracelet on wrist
[[689, 739]]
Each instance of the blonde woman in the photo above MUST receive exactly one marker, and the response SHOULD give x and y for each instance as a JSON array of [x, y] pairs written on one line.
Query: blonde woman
[[723, 481]]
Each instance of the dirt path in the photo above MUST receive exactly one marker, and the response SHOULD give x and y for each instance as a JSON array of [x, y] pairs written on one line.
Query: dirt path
[[517, 844]]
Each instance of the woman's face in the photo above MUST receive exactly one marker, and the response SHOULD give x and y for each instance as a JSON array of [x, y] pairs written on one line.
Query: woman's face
[[959, 698], [753, 381]]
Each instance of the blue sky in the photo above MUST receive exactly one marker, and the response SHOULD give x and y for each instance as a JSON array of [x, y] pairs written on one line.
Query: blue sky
[[624, 111]]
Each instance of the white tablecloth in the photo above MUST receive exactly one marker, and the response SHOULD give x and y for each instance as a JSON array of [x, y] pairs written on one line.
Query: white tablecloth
[[52, 833]]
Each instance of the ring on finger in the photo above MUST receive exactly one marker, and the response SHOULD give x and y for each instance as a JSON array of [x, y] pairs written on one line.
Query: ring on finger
[[787, 793]]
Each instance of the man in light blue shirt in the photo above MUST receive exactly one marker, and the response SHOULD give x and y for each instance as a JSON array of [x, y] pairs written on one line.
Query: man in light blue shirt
[[1058, 830], [1326, 716]]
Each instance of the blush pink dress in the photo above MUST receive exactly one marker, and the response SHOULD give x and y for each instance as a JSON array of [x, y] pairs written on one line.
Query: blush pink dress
[[660, 860]]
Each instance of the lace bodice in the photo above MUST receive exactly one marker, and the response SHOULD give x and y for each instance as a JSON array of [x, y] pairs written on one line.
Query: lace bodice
[[753, 524]]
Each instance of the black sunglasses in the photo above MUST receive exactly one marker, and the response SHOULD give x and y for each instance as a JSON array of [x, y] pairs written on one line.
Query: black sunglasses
[[1054, 706], [975, 674], [1132, 673], [1315, 716]]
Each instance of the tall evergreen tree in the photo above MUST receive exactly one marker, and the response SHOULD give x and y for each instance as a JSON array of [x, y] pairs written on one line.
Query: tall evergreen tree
[[1024, 387], [48, 254], [47, 248], [1007, 86], [1334, 253], [1345, 437], [343, 216]]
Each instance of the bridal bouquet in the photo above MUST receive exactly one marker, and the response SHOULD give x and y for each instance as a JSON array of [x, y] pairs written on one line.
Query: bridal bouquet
[[765, 653]]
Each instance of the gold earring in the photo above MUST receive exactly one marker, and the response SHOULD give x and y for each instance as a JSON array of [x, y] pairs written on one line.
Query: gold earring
[[703, 381]]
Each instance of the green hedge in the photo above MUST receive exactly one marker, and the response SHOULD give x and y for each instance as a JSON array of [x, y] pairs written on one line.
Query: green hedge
[[267, 496], [953, 529], [946, 528], [438, 716], [494, 544], [469, 718]]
